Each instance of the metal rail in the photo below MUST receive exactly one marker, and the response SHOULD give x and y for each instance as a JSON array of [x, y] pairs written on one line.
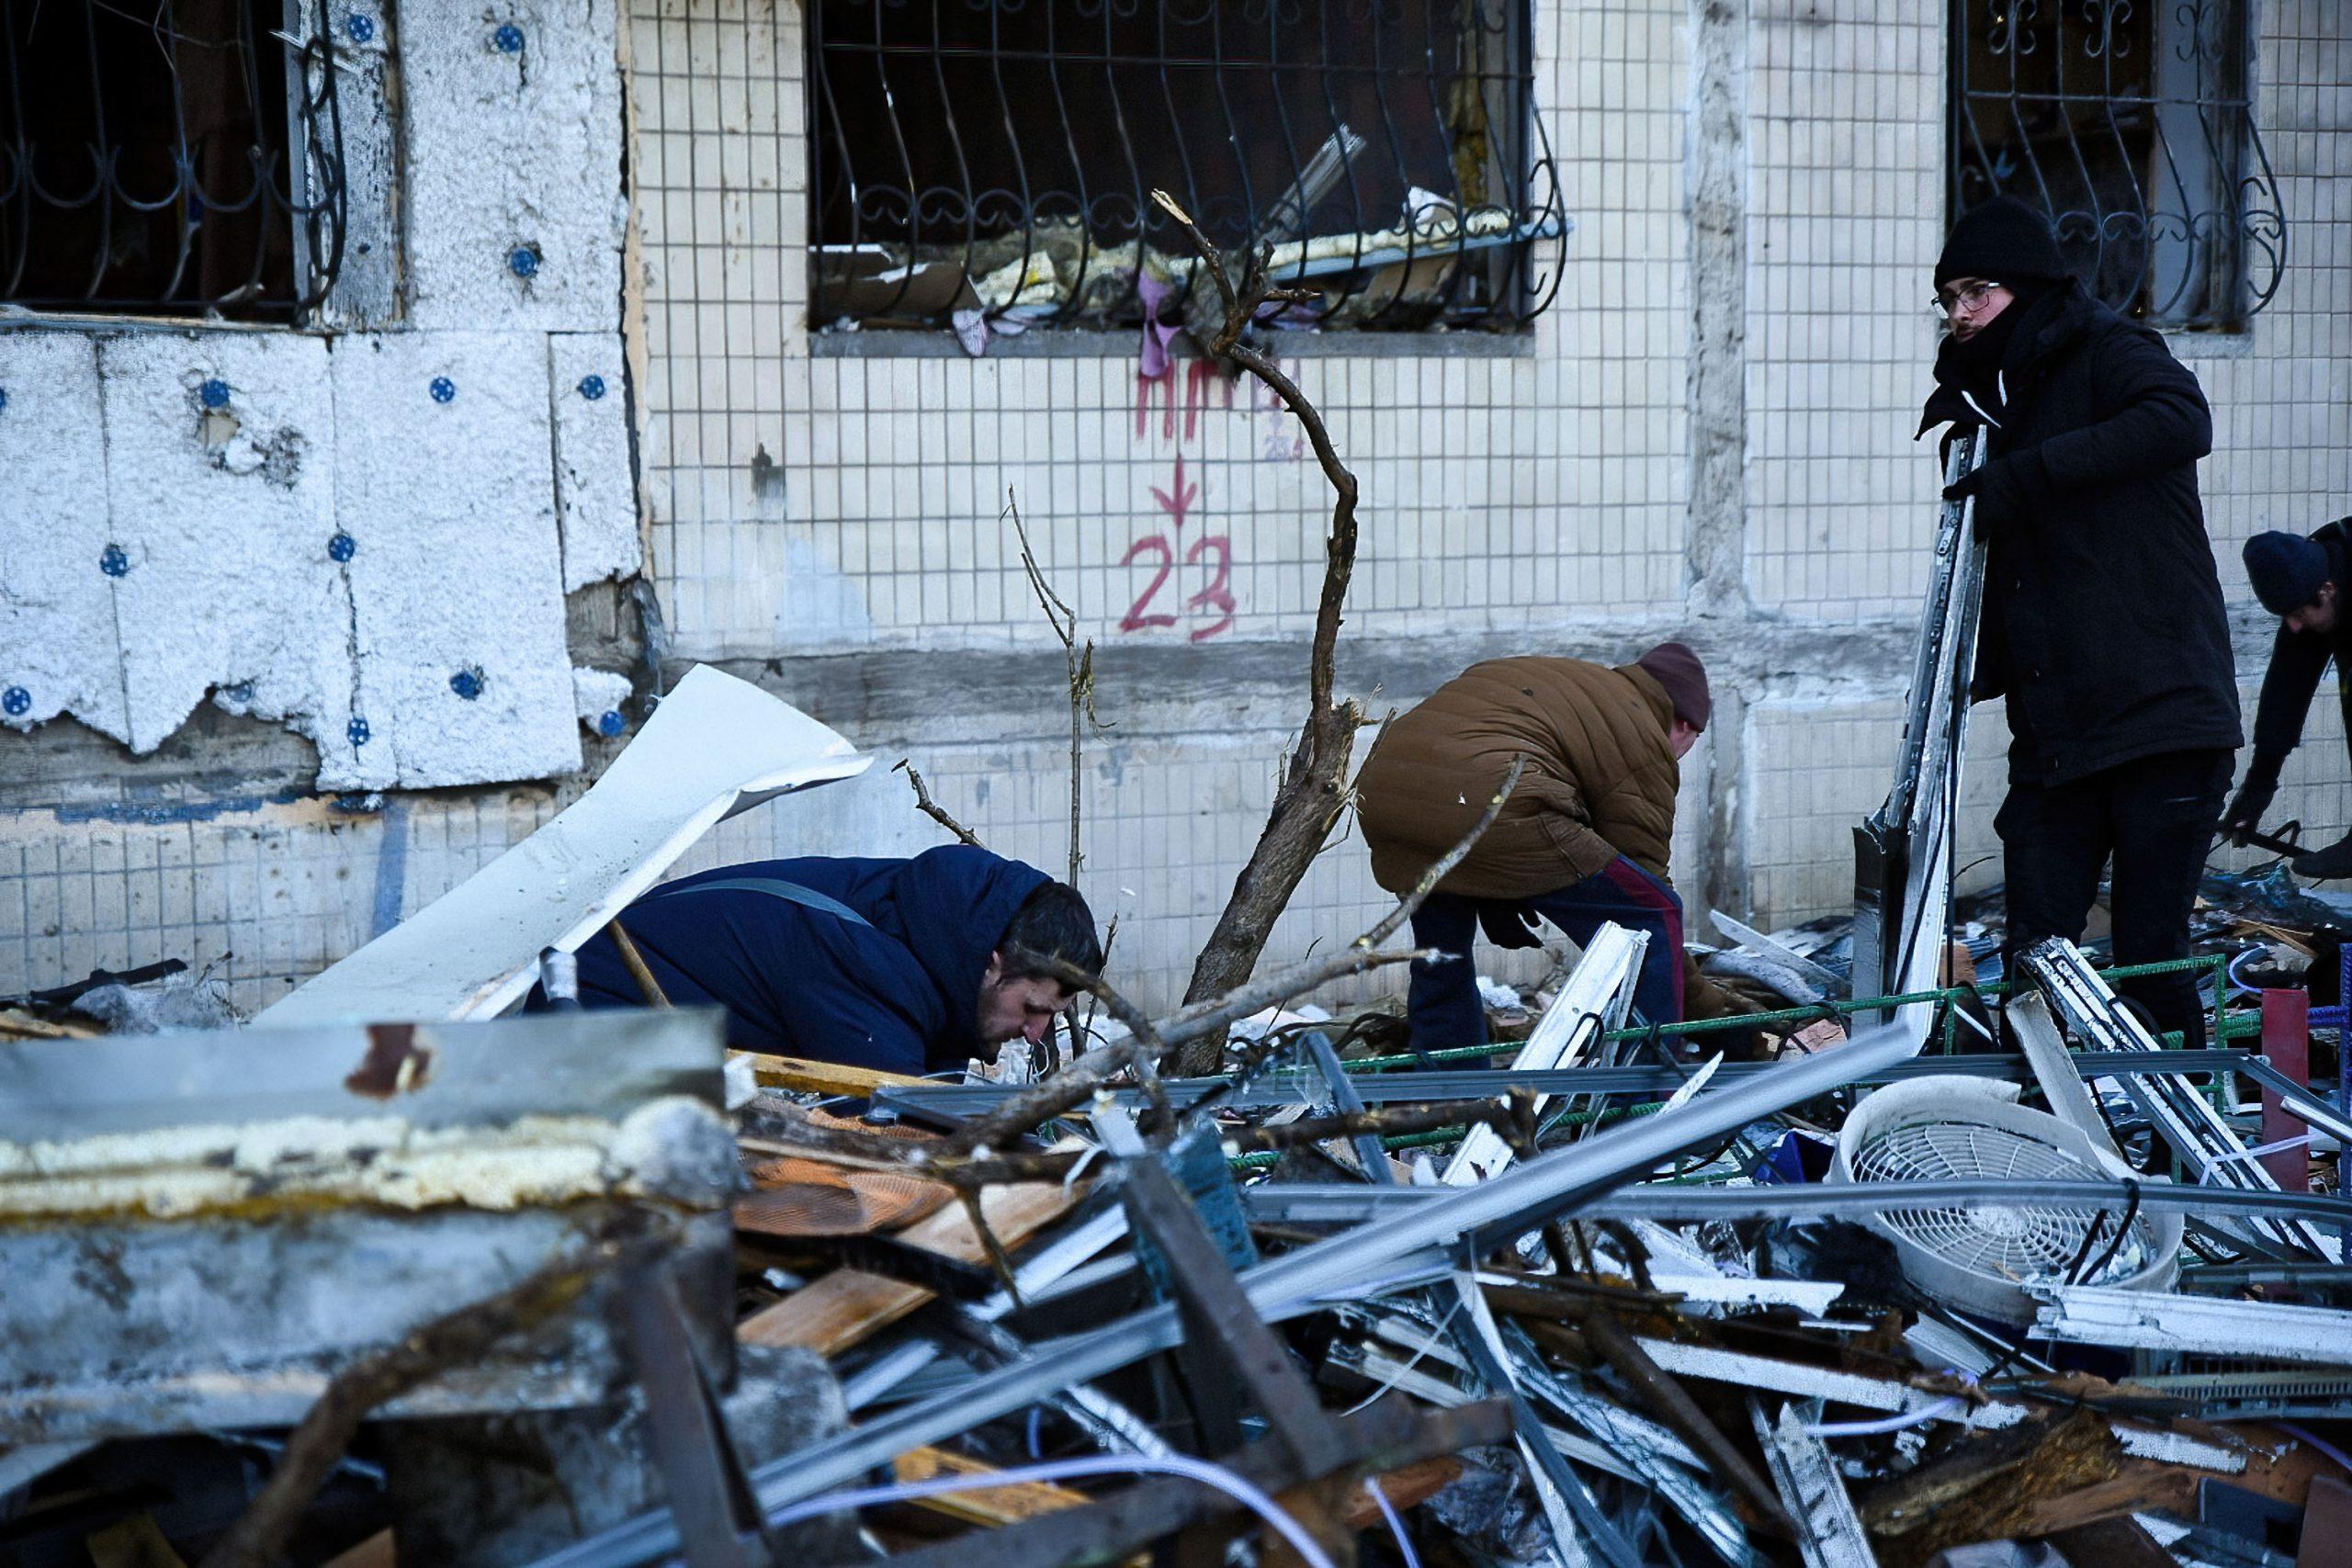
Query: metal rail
[[2185, 1121]]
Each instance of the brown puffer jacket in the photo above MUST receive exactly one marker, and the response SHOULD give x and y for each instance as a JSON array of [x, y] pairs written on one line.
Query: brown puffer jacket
[[1599, 781]]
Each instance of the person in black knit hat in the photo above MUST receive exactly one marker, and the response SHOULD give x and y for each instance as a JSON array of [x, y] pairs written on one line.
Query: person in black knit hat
[[2103, 625], [2300, 581]]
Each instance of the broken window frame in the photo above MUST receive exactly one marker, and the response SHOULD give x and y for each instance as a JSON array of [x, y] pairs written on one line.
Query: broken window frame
[[1503, 210], [293, 167], [2047, 104]]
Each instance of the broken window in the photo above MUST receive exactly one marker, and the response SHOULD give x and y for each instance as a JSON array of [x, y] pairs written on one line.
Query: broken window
[[168, 157], [996, 158], [2131, 125]]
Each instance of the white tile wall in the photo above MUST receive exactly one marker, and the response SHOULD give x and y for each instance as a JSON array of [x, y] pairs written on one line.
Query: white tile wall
[[1496, 494]]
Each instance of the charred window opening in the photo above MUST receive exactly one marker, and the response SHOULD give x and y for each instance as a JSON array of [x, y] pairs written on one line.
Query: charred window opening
[[170, 157], [995, 159], [2131, 124]]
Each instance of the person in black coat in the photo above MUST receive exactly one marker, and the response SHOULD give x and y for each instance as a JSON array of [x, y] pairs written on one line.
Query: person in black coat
[[2103, 625], [2300, 581], [907, 966]]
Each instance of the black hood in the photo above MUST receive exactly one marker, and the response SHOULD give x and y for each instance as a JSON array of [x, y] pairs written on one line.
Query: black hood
[[950, 907]]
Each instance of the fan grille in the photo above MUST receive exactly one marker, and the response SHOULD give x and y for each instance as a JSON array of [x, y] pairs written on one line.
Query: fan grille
[[2020, 1244]]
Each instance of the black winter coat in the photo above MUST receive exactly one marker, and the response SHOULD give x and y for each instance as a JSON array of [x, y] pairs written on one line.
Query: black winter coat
[[2298, 659], [2103, 624]]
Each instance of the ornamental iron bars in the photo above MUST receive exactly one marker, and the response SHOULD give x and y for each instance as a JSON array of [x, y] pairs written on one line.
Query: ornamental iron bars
[[2129, 122], [996, 158], [169, 157]]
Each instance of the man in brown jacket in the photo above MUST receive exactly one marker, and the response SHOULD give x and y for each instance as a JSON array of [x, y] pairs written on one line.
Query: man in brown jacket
[[1582, 840]]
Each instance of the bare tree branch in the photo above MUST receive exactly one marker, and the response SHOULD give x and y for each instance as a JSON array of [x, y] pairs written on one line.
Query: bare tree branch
[[1187, 1022], [1141, 1052], [1313, 789], [1064, 620], [1149, 1044], [931, 808]]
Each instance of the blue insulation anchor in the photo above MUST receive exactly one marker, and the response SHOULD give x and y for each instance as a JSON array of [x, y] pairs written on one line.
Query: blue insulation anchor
[[361, 29], [467, 683], [443, 389], [592, 387], [508, 37], [114, 561], [522, 261], [358, 730], [610, 722], [16, 701], [342, 547], [214, 393]]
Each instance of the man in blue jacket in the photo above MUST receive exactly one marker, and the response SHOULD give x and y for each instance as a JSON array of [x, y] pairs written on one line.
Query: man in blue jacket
[[906, 965]]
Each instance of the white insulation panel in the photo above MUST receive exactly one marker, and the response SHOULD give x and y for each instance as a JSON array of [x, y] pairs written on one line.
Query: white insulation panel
[[456, 571], [514, 145], [594, 494]]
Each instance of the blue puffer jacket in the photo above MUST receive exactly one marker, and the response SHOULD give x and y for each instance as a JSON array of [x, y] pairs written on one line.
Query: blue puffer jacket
[[899, 992]]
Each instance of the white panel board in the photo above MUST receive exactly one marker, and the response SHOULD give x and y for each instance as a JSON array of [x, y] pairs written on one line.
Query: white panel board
[[455, 570], [715, 746]]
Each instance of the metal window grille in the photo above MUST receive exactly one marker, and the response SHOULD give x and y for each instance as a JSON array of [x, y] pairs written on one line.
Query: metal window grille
[[997, 157], [168, 157], [2130, 122]]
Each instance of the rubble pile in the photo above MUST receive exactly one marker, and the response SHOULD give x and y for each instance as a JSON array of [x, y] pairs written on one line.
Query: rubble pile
[[1600, 1294]]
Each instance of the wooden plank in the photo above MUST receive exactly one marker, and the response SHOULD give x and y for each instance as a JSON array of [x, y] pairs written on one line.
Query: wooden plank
[[15, 1025], [2279, 1466], [848, 1305], [1406, 1488], [804, 1076], [2327, 1525], [376, 1552], [1004, 1505]]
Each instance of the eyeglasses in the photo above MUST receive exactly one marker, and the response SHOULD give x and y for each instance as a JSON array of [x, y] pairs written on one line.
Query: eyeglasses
[[1966, 299]]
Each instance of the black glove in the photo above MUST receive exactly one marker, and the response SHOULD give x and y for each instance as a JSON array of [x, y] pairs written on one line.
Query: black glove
[[1509, 925], [2004, 488], [2254, 798]]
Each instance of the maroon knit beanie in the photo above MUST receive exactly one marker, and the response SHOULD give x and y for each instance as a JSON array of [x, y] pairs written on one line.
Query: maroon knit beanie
[[1675, 667]]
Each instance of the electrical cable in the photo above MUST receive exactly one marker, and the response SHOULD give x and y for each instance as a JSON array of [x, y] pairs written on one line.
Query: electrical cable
[[1949, 1405], [2131, 1213], [1395, 1525], [1190, 1468], [2318, 1442], [1392, 1378]]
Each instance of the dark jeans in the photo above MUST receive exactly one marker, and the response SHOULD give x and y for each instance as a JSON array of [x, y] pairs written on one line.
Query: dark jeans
[[1442, 1004], [2155, 817]]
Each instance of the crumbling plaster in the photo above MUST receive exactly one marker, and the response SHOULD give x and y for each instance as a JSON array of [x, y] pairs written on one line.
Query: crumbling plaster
[[367, 537]]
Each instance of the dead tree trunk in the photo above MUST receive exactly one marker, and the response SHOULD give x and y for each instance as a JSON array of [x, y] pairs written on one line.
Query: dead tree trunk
[[1313, 786]]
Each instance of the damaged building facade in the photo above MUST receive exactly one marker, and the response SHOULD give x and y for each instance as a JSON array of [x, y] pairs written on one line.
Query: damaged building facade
[[373, 466]]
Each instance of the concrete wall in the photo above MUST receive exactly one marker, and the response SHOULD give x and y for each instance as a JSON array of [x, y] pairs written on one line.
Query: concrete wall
[[1707, 435]]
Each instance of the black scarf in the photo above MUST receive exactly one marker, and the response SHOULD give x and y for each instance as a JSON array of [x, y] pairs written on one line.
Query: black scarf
[[1973, 365]]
